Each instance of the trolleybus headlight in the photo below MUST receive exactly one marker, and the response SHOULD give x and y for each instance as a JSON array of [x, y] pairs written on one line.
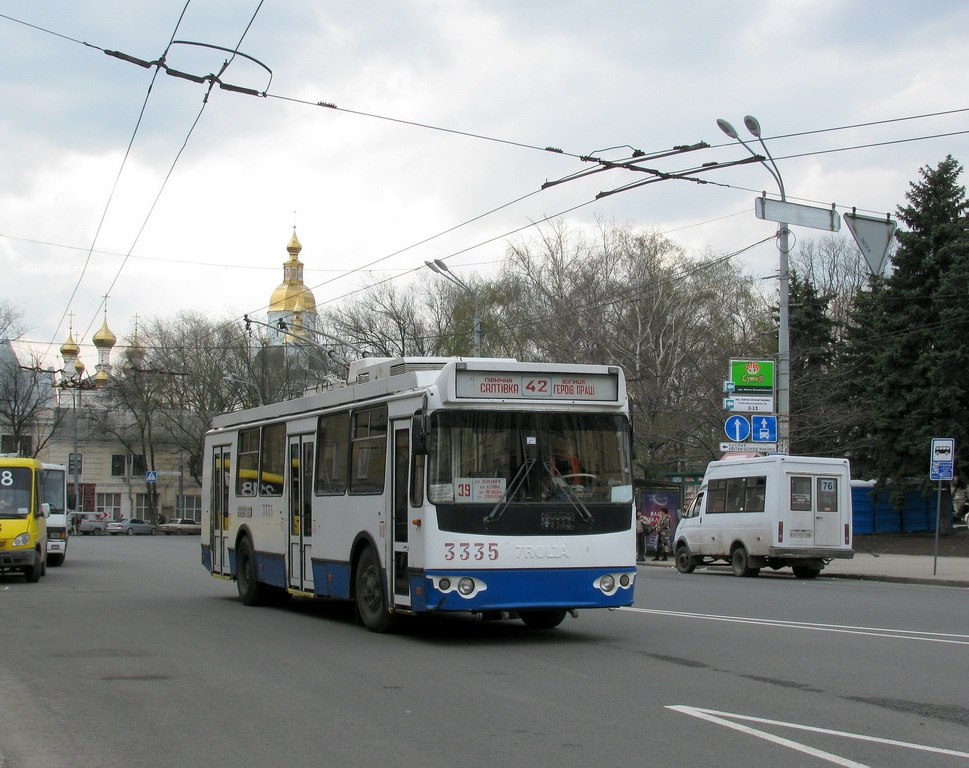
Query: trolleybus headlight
[[607, 583], [444, 585], [466, 586], [624, 580]]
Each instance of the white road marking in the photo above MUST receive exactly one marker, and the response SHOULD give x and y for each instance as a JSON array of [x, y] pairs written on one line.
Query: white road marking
[[898, 634], [726, 719]]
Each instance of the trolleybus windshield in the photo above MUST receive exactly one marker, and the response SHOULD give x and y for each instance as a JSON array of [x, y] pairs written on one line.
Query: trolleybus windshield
[[575, 467]]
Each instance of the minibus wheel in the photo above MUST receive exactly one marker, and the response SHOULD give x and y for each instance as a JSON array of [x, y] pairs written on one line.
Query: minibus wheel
[[35, 571], [740, 563], [683, 560]]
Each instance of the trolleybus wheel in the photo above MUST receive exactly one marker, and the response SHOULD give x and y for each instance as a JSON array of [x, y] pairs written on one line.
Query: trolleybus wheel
[[543, 619], [369, 593], [251, 592]]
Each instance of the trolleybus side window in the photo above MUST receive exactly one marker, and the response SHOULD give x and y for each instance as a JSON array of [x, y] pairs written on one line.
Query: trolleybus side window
[[417, 479], [247, 464], [368, 450], [332, 453], [272, 460]]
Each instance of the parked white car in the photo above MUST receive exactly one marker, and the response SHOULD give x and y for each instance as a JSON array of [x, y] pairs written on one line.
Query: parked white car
[[90, 524]]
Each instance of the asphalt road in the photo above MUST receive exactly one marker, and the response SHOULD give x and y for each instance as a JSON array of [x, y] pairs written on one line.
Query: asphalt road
[[131, 655]]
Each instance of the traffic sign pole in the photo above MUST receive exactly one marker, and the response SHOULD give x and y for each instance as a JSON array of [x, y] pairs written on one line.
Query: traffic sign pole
[[941, 467]]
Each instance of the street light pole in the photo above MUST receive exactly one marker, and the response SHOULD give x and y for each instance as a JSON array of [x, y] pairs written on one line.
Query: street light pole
[[74, 382], [441, 268], [783, 326]]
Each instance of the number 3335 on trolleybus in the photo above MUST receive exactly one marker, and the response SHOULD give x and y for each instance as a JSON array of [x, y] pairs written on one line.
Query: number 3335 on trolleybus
[[424, 485]]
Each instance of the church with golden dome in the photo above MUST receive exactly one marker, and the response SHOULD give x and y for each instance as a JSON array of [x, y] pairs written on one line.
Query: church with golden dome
[[110, 475], [292, 302]]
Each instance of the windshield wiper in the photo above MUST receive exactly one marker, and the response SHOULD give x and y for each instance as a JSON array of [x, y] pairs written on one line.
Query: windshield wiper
[[561, 485], [502, 504]]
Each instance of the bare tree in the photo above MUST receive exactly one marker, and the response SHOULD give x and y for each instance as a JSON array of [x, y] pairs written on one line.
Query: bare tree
[[836, 269], [11, 321], [190, 356], [389, 320], [27, 411], [632, 298]]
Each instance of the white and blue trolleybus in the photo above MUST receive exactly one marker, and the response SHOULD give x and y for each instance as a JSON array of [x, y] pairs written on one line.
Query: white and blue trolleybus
[[495, 487]]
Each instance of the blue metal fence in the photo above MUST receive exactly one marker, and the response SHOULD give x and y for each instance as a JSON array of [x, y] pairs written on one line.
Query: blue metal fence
[[874, 513]]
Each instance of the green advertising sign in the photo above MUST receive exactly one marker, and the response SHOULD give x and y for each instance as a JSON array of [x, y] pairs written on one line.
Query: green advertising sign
[[752, 377]]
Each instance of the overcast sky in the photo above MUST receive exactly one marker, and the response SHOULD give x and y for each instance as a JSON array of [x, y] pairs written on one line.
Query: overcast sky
[[444, 109]]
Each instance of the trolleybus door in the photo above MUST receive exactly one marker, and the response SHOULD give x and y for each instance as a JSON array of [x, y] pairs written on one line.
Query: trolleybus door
[[219, 508], [301, 512], [399, 518]]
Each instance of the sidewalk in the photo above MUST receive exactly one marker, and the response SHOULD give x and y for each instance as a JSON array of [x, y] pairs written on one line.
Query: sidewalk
[[911, 569]]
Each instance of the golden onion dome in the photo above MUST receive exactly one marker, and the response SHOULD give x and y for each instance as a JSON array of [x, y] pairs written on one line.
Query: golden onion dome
[[292, 294], [292, 297], [105, 339], [70, 348]]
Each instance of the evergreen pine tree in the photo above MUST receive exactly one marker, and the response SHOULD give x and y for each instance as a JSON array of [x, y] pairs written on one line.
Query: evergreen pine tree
[[815, 427], [906, 365]]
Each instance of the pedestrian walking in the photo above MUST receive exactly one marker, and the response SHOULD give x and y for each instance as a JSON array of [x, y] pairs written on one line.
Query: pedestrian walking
[[662, 534], [643, 530]]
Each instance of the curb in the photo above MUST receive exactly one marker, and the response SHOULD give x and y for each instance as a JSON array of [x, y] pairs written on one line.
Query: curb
[[935, 581]]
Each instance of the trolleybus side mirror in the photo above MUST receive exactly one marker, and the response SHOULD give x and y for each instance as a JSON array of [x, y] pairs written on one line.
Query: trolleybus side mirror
[[45, 510], [418, 435]]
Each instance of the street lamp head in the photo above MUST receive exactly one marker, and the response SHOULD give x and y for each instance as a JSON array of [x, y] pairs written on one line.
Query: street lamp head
[[441, 265], [727, 128], [432, 266], [753, 125]]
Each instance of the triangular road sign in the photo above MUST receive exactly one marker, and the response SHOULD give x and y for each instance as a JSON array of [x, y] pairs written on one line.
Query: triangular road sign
[[873, 236]]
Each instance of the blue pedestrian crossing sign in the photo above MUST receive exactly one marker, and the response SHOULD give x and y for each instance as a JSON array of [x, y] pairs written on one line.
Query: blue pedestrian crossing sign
[[764, 429], [737, 428], [151, 477]]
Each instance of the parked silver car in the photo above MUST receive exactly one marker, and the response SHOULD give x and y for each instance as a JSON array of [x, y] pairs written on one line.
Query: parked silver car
[[131, 527]]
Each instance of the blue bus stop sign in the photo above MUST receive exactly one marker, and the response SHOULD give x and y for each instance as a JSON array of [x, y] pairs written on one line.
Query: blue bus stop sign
[[764, 429], [942, 459]]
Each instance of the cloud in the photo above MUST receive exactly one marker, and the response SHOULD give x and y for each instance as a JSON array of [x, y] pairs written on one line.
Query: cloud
[[368, 180]]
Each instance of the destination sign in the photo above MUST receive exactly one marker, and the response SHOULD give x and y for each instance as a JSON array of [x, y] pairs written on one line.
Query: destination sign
[[544, 386]]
